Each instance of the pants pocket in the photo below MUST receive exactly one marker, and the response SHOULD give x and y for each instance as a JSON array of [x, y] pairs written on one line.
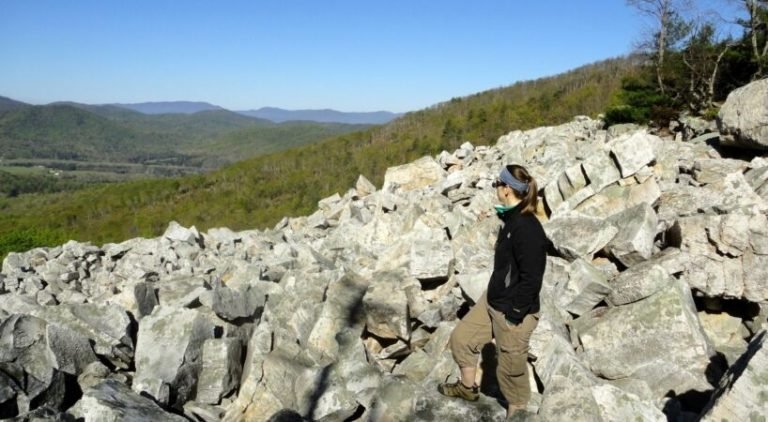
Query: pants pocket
[[512, 363]]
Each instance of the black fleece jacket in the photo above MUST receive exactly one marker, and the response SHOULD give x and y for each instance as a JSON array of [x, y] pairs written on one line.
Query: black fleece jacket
[[518, 267]]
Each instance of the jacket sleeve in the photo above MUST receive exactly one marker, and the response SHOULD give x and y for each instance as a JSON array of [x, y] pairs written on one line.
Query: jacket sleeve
[[530, 255]]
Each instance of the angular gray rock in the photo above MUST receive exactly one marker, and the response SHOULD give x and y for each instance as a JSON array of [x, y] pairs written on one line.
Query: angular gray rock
[[145, 295], [616, 198], [727, 255], [616, 405], [386, 307], [402, 399], [431, 259], [203, 412], [712, 170], [474, 284], [38, 355], [633, 152], [418, 174], [565, 399], [108, 327], [364, 187], [741, 393], [169, 353], [176, 232], [94, 373], [743, 118], [221, 369], [665, 379], [725, 332], [664, 325], [579, 237], [340, 310], [112, 401], [733, 194], [232, 304], [637, 283], [601, 171], [586, 287], [633, 243]]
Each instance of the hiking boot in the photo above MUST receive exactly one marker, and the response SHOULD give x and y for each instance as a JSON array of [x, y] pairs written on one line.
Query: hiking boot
[[457, 389]]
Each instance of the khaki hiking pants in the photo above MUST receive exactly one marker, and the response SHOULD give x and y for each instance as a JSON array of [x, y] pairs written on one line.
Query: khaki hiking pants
[[477, 328]]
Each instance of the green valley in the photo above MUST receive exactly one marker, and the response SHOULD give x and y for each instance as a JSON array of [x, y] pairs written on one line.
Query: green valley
[[257, 192], [83, 144]]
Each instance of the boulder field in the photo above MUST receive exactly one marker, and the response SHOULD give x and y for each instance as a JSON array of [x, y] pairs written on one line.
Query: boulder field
[[654, 302]]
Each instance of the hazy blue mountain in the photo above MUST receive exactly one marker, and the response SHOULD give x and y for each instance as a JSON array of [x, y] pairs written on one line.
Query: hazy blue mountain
[[7, 104], [166, 107], [108, 111], [279, 115]]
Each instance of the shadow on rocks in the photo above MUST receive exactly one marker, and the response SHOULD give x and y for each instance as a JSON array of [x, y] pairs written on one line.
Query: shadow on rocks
[[689, 404], [354, 316], [286, 415]]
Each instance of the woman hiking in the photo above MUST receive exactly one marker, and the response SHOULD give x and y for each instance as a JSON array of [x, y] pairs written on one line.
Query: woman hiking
[[509, 309]]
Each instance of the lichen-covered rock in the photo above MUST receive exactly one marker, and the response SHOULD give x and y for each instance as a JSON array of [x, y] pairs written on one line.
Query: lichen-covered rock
[[638, 283], [663, 325]]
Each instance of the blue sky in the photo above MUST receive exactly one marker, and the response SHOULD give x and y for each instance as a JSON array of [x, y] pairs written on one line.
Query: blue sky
[[347, 55]]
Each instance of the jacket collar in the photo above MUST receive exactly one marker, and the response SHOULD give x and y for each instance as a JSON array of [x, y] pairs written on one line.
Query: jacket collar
[[505, 214]]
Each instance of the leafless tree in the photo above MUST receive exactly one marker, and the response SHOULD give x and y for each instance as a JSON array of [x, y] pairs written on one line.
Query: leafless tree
[[667, 16], [702, 55], [756, 22]]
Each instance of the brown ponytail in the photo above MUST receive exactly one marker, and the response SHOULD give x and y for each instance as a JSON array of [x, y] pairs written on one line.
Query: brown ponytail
[[529, 199]]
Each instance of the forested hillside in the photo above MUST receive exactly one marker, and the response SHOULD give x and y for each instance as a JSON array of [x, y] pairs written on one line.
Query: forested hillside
[[66, 132], [71, 131], [258, 192]]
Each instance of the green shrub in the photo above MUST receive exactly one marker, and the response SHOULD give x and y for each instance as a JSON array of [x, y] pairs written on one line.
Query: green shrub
[[20, 240], [710, 113], [624, 114]]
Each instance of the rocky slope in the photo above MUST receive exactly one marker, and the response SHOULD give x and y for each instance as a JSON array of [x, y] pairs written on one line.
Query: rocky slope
[[653, 308]]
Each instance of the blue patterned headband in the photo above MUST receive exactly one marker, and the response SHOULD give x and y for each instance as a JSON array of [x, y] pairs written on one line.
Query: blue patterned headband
[[512, 181]]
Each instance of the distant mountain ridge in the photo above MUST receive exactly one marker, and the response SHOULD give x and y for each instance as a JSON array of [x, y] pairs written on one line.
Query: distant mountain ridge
[[109, 133], [169, 107], [279, 115], [273, 114], [7, 104]]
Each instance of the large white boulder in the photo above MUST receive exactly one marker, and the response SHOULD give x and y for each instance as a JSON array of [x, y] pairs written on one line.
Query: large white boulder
[[743, 119]]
